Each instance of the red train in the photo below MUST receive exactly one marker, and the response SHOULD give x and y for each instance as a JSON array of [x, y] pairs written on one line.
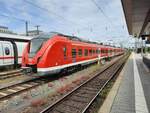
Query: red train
[[53, 52]]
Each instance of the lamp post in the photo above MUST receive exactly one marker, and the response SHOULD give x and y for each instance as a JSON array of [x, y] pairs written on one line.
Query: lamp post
[[37, 26]]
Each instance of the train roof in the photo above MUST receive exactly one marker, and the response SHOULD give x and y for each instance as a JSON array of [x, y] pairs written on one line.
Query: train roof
[[13, 37], [75, 38]]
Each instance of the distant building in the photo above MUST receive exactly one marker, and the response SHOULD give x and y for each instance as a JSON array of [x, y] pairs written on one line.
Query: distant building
[[34, 32], [4, 29]]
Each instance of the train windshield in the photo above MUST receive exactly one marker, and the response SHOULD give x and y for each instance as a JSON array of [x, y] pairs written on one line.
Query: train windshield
[[36, 43]]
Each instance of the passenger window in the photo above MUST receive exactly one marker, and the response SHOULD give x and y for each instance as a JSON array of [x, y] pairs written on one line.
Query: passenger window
[[96, 51], [7, 51], [65, 51], [93, 51], [85, 52], [80, 52], [90, 52], [102, 51], [73, 53]]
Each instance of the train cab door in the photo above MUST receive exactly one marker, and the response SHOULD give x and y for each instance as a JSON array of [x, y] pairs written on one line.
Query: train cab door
[[112, 52], [7, 52], [65, 52], [109, 52], [99, 53]]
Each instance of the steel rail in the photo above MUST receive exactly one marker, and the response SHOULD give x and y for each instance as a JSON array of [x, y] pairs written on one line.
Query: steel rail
[[52, 106]]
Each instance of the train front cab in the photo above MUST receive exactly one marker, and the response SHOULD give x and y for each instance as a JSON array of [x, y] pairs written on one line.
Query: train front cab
[[6, 55], [68, 56], [40, 54]]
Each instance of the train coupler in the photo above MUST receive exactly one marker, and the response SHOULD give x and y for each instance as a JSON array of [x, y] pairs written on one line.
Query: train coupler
[[27, 70]]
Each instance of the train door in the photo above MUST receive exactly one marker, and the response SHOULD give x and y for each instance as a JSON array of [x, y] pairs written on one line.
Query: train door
[[109, 52], [65, 52], [7, 52], [74, 54], [113, 52], [20, 47], [99, 53], [1, 55]]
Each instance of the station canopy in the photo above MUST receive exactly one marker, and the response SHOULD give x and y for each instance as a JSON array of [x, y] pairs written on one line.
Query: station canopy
[[137, 15], [13, 37]]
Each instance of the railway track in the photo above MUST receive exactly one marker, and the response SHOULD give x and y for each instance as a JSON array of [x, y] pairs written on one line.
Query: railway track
[[17, 88], [10, 74], [80, 99]]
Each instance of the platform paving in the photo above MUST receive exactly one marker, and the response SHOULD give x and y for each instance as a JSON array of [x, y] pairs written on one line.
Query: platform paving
[[145, 79], [134, 92], [124, 100]]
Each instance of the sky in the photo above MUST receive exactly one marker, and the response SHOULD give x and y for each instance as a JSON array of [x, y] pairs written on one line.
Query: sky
[[95, 20]]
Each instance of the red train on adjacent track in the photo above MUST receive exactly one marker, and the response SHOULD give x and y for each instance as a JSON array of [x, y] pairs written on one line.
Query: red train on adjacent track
[[53, 52]]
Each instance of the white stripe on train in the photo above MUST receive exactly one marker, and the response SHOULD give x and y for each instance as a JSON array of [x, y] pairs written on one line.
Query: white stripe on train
[[66, 65]]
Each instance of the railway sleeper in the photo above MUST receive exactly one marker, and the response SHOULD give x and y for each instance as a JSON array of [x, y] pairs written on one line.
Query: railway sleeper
[[74, 104], [66, 109], [79, 97], [90, 88]]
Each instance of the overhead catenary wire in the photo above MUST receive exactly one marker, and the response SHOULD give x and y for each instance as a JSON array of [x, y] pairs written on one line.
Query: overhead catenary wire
[[101, 10], [12, 17], [31, 13], [53, 13], [49, 11], [61, 17], [16, 18]]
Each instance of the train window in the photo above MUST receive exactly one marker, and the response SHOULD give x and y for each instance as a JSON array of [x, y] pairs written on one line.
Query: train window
[[7, 51], [85, 52], [35, 45], [80, 52], [73, 53], [65, 51], [93, 51], [99, 51], [102, 51], [96, 51], [90, 52]]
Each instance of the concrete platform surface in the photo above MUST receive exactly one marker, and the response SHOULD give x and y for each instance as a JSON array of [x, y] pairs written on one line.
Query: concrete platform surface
[[133, 94]]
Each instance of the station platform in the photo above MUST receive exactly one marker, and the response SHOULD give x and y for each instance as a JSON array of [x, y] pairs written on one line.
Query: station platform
[[146, 60], [131, 91]]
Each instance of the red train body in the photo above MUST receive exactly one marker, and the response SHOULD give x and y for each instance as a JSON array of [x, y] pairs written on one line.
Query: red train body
[[52, 53]]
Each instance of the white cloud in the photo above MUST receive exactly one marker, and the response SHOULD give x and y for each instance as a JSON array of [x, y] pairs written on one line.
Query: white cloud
[[78, 17]]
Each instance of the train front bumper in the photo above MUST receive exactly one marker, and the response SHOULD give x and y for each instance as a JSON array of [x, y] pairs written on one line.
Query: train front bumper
[[26, 70]]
